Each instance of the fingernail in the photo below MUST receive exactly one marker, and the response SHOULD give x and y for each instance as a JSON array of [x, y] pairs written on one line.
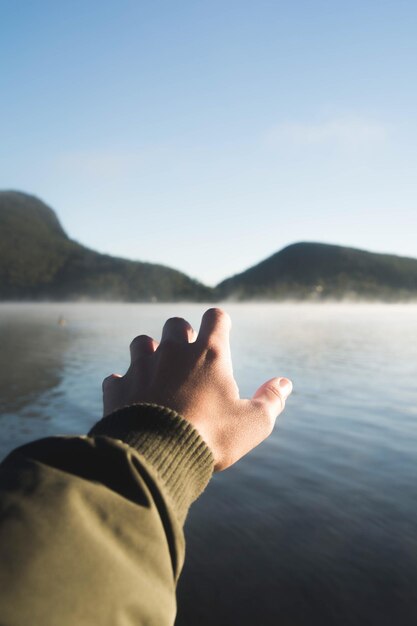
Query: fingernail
[[285, 386]]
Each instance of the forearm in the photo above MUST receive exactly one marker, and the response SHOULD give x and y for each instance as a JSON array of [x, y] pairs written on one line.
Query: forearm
[[91, 527]]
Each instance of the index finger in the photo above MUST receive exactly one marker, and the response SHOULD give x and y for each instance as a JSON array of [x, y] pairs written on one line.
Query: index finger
[[215, 329]]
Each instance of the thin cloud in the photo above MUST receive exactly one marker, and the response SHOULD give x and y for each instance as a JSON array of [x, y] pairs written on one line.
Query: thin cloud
[[344, 132]]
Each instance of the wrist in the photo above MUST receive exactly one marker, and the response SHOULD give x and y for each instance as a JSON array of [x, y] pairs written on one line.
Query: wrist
[[168, 442]]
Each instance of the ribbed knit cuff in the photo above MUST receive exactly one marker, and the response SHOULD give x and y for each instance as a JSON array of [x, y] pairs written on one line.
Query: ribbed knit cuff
[[169, 443]]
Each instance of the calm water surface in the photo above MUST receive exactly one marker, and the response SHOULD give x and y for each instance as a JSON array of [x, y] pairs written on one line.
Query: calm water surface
[[316, 526]]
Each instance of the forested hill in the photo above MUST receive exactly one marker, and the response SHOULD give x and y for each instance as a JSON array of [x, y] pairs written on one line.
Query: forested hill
[[320, 271], [39, 261]]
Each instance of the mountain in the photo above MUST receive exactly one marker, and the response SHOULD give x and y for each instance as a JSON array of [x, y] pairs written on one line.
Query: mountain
[[320, 271], [39, 261]]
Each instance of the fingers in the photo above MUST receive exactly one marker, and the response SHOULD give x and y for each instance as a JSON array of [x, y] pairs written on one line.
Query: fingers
[[215, 328], [110, 379], [273, 394], [178, 329], [142, 345]]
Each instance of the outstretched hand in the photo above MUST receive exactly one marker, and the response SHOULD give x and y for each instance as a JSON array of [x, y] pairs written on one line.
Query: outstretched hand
[[192, 374]]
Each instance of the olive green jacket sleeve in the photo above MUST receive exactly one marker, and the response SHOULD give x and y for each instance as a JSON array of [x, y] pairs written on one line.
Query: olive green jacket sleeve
[[91, 527]]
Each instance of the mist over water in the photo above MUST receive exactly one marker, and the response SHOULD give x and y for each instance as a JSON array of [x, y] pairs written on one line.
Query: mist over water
[[318, 525]]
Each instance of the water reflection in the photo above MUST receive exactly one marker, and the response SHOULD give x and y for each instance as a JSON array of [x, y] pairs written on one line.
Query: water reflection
[[31, 361], [317, 525]]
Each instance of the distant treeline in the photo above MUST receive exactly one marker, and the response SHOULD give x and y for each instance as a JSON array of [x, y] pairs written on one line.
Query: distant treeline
[[39, 261]]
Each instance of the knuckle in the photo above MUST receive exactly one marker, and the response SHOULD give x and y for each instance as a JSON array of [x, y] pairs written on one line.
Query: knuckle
[[176, 327], [177, 321], [275, 391], [216, 313], [139, 340], [172, 320], [109, 380]]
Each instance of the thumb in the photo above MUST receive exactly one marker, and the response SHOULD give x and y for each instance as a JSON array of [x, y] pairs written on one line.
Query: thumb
[[273, 394]]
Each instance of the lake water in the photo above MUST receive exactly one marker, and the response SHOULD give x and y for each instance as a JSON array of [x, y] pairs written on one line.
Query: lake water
[[318, 525]]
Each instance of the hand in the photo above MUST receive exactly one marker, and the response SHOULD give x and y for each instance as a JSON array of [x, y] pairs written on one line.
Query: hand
[[193, 375]]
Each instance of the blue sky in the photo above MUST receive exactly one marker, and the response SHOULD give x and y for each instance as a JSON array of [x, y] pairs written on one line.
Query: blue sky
[[208, 135]]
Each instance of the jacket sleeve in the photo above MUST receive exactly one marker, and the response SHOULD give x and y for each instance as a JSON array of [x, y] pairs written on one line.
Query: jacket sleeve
[[91, 527]]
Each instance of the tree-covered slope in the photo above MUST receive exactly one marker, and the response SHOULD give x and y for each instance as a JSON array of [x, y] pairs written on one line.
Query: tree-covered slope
[[322, 271], [39, 261]]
